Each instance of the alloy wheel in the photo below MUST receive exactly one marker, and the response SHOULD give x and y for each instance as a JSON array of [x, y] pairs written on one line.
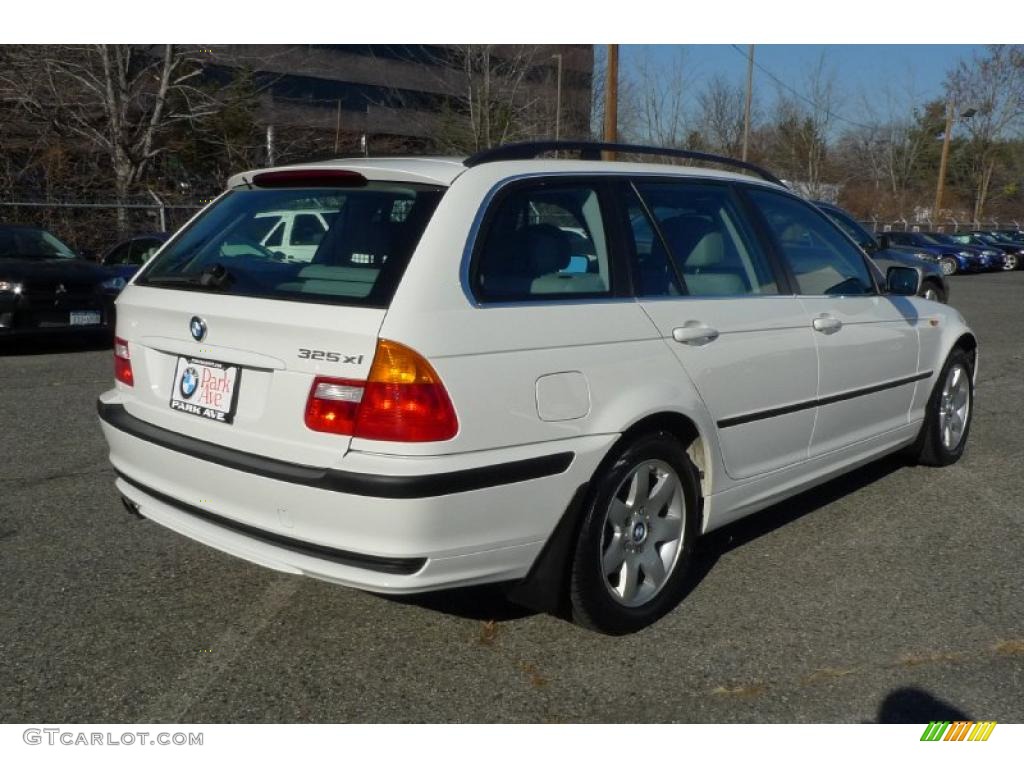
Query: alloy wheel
[[954, 407], [643, 533]]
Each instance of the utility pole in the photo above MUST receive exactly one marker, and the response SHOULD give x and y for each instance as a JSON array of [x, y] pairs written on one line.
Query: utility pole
[[750, 94], [337, 129], [611, 100], [943, 158], [558, 96], [967, 114]]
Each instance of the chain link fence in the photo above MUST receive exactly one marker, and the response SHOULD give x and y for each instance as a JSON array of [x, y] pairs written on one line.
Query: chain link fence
[[939, 225]]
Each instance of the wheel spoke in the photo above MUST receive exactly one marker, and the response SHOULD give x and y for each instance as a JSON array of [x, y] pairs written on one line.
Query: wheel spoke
[[639, 487], [662, 494], [629, 579], [653, 567]]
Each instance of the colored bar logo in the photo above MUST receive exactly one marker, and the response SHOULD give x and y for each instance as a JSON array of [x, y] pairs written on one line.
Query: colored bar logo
[[960, 730]]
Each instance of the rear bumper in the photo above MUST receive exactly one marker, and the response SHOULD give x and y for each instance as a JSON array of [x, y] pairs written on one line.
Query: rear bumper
[[388, 524]]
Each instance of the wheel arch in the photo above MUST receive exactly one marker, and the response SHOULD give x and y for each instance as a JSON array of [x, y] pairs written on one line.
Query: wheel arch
[[686, 431], [545, 587], [968, 342]]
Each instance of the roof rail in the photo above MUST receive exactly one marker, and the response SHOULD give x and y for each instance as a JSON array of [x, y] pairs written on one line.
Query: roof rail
[[591, 150]]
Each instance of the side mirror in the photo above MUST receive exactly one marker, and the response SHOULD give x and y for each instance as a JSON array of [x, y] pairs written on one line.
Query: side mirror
[[903, 281]]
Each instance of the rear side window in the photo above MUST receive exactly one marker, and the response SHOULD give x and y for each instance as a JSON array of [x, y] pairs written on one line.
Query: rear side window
[[822, 260], [356, 247], [706, 239], [544, 242]]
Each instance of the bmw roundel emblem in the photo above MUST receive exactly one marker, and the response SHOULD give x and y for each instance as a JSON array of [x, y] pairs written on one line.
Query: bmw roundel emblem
[[189, 382], [197, 326]]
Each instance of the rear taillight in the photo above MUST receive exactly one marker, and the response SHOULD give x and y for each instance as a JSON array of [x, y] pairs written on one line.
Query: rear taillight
[[402, 400], [123, 362]]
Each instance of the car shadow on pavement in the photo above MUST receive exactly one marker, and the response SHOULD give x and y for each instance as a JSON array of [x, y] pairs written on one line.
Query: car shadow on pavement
[[717, 543], [488, 602], [491, 602], [55, 345], [913, 705]]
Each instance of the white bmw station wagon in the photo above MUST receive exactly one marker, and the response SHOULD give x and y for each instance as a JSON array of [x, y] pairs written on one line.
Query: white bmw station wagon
[[556, 373]]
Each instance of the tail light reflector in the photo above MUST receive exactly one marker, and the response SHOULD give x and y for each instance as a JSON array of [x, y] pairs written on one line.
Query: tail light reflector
[[123, 362], [402, 400]]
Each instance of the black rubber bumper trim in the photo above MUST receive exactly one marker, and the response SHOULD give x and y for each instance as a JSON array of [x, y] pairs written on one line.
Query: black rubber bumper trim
[[735, 421], [358, 484], [399, 566]]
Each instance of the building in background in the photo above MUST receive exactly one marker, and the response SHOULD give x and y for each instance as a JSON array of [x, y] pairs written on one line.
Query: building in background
[[440, 98]]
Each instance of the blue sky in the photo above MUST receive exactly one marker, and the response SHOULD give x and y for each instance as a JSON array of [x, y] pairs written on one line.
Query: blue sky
[[861, 70]]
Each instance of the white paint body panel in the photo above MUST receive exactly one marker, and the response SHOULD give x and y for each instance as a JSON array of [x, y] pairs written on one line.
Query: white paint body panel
[[526, 380]]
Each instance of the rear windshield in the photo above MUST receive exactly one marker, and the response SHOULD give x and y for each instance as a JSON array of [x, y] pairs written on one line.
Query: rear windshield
[[338, 246]]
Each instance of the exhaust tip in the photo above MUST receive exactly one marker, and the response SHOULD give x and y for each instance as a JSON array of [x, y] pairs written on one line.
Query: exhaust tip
[[131, 508]]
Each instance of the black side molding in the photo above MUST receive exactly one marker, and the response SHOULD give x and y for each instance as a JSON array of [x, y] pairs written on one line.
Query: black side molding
[[380, 486], [400, 566], [735, 421]]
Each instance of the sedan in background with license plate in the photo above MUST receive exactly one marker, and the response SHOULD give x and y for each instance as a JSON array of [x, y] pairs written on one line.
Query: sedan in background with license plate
[[46, 288]]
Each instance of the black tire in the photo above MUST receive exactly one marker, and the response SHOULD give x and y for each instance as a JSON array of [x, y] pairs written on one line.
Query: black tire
[[930, 450], [933, 285], [948, 265], [593, 605]]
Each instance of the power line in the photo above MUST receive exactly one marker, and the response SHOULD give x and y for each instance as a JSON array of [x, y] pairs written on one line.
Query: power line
[[796, 93]]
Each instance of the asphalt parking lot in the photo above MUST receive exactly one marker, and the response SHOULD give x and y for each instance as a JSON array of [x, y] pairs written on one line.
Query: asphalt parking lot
[[894, 594]]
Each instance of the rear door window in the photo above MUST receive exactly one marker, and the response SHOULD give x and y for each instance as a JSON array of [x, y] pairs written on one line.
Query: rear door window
[[544, 241], [703, 233], [357, 260]]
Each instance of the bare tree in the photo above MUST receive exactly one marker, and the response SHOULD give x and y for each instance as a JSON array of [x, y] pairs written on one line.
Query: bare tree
[[661, 115], [802, 127], [486, 95], [721, 115], [120, 99], [992, 85]]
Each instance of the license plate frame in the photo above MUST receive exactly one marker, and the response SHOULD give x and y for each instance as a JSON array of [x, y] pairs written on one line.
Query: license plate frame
[[206, 395]]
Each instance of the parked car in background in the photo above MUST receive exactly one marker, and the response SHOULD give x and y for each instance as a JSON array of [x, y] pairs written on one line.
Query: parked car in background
[[1011, 245], [46, 288], [124, 259], [993, 257], [1011, 252], [294, 235], [953, 259], [438, 398], [1006, 235], [933, 284]]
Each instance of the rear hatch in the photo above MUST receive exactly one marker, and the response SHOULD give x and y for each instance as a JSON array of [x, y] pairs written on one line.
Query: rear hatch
[[226, 334]]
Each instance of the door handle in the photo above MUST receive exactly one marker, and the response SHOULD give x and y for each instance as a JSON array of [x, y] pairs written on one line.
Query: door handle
[[694, 333], [827, 324]]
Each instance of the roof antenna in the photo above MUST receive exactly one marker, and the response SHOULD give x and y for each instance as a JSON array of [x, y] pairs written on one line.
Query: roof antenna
[[363, 147]]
